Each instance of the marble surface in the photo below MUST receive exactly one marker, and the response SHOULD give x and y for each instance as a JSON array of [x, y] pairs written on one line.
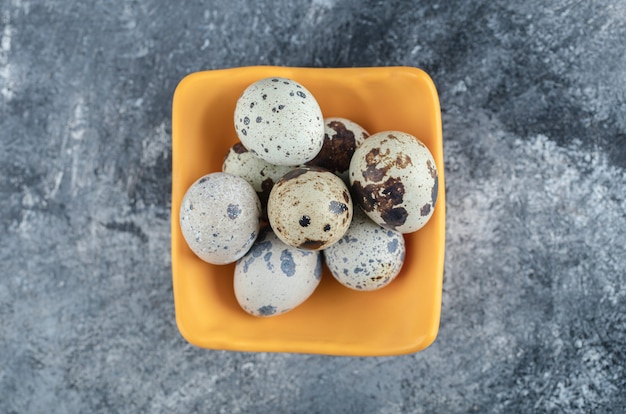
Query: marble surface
[[533, 100]]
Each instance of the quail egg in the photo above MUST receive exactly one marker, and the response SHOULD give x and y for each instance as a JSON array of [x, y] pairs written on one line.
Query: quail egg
[[273, 278], [394, 180], [368, 257], [220, 217], [310, 208], [279, 120]]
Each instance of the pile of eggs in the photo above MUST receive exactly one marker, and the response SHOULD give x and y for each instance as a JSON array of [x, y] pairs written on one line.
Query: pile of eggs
[[300, 190]]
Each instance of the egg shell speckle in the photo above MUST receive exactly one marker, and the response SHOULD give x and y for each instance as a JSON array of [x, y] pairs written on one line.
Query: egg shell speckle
[[310, 208], [273, 278], [394, 179], [259, 173], [220, 217], [280, 121], [341, 138], [368, 257]]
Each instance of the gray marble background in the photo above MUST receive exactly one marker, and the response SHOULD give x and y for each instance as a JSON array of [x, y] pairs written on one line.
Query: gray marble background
[[533, 99]]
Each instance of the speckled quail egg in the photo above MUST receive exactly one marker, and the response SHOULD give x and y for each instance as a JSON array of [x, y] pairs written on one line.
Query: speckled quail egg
[[273, 278], [220, 217], [310, 208], [280, 121], [368, 257], [394, 180], [259, 173], [341, 137]]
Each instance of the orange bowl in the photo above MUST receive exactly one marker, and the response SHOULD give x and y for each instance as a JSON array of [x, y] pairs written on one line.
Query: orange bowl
[[398, 319]]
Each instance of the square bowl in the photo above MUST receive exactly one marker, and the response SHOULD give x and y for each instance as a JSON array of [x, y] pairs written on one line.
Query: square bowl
[[401, 318]]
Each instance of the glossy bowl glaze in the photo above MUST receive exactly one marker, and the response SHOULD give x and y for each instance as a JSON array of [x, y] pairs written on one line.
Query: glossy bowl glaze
[[398, 319]]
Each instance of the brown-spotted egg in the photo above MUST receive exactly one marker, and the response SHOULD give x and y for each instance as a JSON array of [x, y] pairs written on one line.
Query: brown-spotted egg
[[368, 257], [310, 208], [273, 278], [220, 217], [341, 137], [279, 120], [394, 180]]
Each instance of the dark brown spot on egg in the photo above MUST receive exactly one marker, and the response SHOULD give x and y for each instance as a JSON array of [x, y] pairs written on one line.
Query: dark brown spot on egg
[[379, 163], [431, 169], [239, 148], [337, 150], [425, 209], [393, 191], [384, 198], [376, 165], [309, 244], [327, 227], [403, 161], [372, 173], [394, 217], [364, 195], [296, 172], [346, 196]]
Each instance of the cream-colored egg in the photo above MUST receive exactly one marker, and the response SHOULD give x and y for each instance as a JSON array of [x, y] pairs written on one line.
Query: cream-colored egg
[[394, 180], [310, 208], [341, 138], [273, 278], [280, 121], [368, 257], [220, 217], [259, 173]]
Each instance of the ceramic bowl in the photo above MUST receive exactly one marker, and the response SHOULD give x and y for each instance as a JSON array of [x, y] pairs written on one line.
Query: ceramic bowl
[[398, 319]]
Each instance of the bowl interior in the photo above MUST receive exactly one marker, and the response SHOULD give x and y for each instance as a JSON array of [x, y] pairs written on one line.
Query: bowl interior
[[400, 318]]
